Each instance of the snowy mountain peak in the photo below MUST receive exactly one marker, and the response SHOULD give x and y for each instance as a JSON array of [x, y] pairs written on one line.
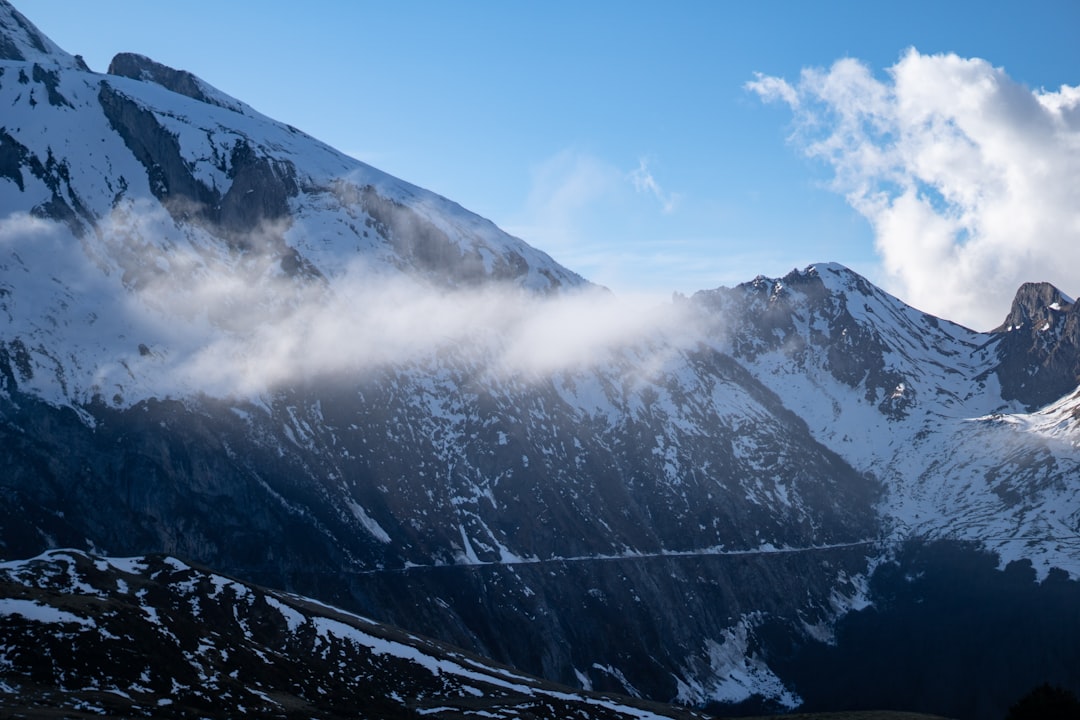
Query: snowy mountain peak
[[149, 179], [22, 42], [829, 278]]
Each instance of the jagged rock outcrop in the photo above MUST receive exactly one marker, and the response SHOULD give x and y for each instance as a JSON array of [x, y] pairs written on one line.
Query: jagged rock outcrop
[[140, 67], [1039, 346]]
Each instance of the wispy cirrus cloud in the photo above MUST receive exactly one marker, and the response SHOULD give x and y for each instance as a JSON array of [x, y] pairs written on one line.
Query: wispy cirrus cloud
[[566, 188], [644, 182], [967, 176], [588, 213]]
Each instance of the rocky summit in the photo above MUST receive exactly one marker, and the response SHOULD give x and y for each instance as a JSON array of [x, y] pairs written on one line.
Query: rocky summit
[[226, 345]]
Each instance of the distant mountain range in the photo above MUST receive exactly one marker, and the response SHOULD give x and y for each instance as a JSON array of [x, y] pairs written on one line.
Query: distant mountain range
[[225, 342]]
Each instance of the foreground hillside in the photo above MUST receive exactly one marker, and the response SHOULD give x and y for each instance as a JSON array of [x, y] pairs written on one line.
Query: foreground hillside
[[154, 637]]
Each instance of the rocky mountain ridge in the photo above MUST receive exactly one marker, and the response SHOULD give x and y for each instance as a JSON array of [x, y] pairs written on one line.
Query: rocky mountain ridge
[[919, 403]]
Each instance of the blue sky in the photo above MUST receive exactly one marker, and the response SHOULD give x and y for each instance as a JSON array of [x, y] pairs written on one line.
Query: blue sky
[[620, 137]]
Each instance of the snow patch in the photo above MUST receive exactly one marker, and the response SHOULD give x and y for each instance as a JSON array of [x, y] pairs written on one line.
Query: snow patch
[[293, 618], [735, 673], [37, 612], [368, 522]]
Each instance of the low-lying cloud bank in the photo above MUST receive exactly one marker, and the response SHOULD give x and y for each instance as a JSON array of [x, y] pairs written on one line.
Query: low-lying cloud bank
[[144, 307], [365, 321], [237, 323], [967, 177]]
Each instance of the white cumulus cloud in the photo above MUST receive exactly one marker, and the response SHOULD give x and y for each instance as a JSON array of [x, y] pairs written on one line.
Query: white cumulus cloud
[[968, 178]]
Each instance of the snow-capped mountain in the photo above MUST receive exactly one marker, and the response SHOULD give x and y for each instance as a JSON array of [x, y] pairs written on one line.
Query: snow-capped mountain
[[936, 412], [223, 340], [149, 182]]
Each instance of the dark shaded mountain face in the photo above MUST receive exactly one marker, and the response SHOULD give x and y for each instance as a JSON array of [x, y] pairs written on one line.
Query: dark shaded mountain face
[[586, 551], [1040, 346], [970, 620], [190, 295]]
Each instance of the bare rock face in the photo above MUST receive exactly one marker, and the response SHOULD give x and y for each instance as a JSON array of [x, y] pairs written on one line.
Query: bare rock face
[[140, 67], [257, 198], [1039, 346], [260, 188]]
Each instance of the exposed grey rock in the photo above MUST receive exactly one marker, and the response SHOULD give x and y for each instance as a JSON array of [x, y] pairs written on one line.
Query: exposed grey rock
[[12, 155], [256, 202], [51, 80], [171, 180], [1039, 346], [8, 49], [140, 67], [64, 205]]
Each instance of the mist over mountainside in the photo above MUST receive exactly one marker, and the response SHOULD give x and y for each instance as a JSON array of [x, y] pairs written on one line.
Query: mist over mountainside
[[225, 341]]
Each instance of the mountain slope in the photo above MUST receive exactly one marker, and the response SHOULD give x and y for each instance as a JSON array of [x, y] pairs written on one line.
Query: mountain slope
[[159, 270], [363, 521]]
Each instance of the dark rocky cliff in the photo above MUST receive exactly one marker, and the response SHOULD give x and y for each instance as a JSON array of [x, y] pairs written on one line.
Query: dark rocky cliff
[[1039, 346]]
